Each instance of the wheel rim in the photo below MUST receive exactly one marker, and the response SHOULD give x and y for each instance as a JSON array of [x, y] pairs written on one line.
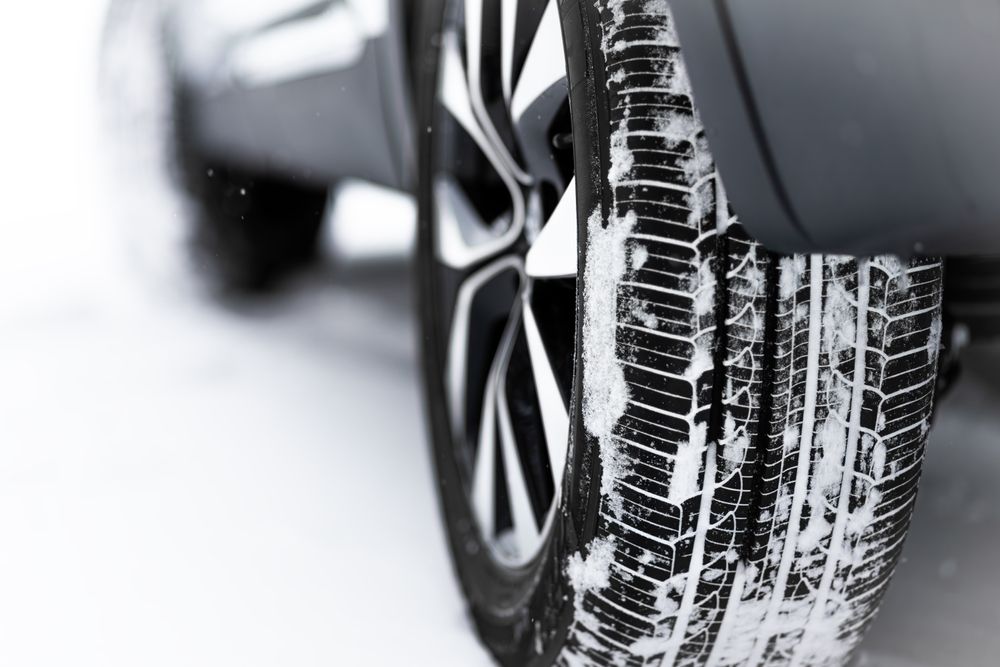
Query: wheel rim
[[504, 239]]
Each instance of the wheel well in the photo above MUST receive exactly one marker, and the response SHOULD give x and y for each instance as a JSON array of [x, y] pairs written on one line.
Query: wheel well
[[972, 295]]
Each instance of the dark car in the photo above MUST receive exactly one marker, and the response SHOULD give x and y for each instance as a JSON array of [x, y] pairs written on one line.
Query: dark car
[[674, 423]]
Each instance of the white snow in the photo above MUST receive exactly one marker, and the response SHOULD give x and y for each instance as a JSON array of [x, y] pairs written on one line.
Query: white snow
[[704, 288], [792, 271], [605, 392], [736, 442], [667, 33], [677, 128], [832, 441], [640, 255], [673, 78], [644, 317], [701, 360], [684, 479], [621, 155], [592, 573], [934, 342], [185, 481]]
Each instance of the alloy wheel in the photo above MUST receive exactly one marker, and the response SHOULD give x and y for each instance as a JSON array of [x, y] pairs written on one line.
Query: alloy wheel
[[505, 263]]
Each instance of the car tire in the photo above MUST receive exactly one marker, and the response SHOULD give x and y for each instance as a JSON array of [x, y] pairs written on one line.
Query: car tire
[[744, 430]]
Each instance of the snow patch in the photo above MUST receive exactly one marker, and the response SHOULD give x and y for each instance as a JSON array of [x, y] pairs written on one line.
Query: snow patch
[[593, 573], [934, 341], [702, 361], [643, 316], [700, 202], [792, 437], [640, 255], [678, 128], [735, 446], [793, 271], [701, 164], [605, 391], [817, 530], [704, 289], [832, 440], [685, 477], [668, 33], [622, 158]]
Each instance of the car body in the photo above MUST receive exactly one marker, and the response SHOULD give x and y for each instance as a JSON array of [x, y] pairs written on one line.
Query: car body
[[334, 103], [851, 127]]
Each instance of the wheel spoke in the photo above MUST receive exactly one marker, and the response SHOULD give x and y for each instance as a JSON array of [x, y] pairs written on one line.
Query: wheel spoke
[[526, 528], [501, 161], [554, 253], [458, 100], [456, 246], [458, 349], [484, 491], [474, 58], [555, 415], [544, 69], [496, 418], [474, 41], [508, 36], [464, 239]]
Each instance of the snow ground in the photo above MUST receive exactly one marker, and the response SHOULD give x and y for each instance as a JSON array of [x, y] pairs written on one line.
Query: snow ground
[[186, 481]]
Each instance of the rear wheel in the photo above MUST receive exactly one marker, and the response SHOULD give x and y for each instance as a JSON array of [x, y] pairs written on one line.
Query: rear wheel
[[657, 443], [249, 229]]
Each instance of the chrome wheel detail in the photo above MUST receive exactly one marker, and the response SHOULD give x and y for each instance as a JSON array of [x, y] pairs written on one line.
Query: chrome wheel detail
[[505, 245]]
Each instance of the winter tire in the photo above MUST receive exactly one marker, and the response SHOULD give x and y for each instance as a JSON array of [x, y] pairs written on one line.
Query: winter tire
[[657, 443]]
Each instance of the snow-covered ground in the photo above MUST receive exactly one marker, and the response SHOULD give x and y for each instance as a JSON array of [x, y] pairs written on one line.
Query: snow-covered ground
[[185, 481]]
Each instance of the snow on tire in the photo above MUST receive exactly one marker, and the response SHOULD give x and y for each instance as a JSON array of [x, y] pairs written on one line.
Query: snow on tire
[[761, 420]]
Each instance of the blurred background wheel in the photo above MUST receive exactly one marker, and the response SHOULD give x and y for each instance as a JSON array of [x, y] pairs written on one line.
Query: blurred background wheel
[[657, 442], [246, 230], [249, 230]]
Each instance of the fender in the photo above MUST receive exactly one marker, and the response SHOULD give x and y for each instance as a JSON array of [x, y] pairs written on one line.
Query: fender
[[314, 90], [856, 126]]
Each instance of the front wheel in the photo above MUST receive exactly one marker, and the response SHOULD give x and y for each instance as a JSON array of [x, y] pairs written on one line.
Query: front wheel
[[657, 443]]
